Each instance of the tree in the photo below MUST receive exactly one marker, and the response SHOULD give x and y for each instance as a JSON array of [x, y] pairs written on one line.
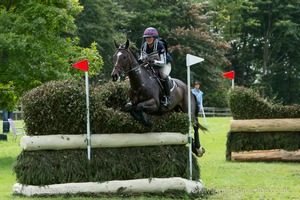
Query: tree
[[97, 23], [32, 47], [264, 34]]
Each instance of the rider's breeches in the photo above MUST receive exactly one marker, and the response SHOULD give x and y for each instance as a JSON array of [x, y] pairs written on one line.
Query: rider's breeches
[[165, 71]]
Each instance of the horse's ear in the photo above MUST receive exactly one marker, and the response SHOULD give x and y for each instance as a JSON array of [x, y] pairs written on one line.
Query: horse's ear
[[116, 45], [127, 44]]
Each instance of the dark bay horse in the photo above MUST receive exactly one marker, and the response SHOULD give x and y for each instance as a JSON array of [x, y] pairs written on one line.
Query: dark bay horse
[[146, 92]]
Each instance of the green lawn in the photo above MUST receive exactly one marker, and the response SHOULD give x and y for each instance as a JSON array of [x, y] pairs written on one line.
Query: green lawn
[[231, 180]]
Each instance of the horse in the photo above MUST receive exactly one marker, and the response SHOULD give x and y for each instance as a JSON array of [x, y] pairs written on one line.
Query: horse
[[146, 92]]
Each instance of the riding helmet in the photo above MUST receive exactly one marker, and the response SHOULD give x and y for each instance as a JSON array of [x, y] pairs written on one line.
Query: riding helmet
[[197, 83], [150, 32]]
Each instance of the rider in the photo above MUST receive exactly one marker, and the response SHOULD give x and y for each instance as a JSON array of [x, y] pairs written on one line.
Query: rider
[[153, 51]]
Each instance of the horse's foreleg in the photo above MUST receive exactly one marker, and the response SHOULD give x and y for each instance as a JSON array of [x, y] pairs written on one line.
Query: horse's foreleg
[[137, 114], [140, 117]]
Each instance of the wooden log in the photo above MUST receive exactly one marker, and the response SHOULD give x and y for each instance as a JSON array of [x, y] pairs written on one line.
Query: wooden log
[[265, 125], [59, 142], [155, 185], [266, 155]]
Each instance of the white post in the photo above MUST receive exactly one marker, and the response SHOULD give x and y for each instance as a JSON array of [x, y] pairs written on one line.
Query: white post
[[190, 119], [88, 115], [232, 84], [190, 60]]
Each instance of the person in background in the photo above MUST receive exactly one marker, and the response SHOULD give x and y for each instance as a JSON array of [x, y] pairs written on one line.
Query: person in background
[[198, 93], [6, 116], [154, 52]]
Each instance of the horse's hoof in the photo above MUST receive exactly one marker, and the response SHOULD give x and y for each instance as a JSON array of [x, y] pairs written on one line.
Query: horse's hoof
[[200, 152], [128, 107]]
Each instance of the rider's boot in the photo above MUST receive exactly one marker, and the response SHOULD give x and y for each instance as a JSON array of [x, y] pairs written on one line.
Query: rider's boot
[[166, 99]]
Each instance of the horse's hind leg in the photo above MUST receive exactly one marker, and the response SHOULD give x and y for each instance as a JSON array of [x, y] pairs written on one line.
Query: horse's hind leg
[[196, 146]]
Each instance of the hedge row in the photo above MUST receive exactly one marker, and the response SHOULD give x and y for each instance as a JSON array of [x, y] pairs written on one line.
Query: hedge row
[[59, 107], [66, 166], [245, 103]]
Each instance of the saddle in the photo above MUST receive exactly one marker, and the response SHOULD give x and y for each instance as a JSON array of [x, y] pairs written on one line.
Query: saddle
[[155, 74]]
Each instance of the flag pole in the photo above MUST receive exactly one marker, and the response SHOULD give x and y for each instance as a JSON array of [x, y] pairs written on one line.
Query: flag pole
[[190, 60], [84, 65], [231, 76], [190, 120], [88, 115]]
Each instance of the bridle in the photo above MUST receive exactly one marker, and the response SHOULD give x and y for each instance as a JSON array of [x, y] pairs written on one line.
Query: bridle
[[129, 57]]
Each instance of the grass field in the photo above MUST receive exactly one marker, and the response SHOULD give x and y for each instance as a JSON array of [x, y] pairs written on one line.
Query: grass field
[[230, 180]]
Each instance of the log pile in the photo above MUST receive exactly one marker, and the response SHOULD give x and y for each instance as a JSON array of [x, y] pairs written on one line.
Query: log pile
[[259, 128]]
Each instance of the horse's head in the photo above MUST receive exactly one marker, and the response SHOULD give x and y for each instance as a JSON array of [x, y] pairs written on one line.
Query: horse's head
[[123, 60]]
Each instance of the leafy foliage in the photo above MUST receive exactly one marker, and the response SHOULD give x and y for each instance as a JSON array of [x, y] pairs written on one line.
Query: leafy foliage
[[8, 98], [247, 104], [264, 53], [96, 24], [34, 48], [58, 107], [66, 166]]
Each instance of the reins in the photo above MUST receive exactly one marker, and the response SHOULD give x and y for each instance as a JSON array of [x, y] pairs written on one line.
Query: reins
[[137, 67]]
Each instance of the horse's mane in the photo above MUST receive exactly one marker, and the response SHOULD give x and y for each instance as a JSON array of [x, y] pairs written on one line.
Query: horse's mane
[[134, 53]]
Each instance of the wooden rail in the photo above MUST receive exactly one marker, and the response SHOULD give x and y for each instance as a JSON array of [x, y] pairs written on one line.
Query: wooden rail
[[216, 112], [18, 115]]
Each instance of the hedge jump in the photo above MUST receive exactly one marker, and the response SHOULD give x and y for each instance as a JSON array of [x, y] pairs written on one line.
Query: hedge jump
[[143, 185], [261, 126]]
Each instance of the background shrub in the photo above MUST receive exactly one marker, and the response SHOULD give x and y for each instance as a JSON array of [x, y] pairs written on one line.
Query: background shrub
[[244, 103], [59, 107]]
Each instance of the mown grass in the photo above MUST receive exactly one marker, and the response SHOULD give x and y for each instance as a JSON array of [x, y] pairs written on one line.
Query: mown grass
[[230, 180]]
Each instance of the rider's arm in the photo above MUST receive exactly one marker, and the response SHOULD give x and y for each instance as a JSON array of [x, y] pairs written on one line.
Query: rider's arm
[[162, 55], [162, 62], [143, 55]]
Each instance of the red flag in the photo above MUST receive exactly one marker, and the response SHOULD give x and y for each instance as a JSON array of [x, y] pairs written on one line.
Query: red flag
[[82, 65], [229, 75]]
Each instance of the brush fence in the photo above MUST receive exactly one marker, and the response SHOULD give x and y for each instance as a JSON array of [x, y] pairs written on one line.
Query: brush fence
[[153, 185], [260, 126]]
